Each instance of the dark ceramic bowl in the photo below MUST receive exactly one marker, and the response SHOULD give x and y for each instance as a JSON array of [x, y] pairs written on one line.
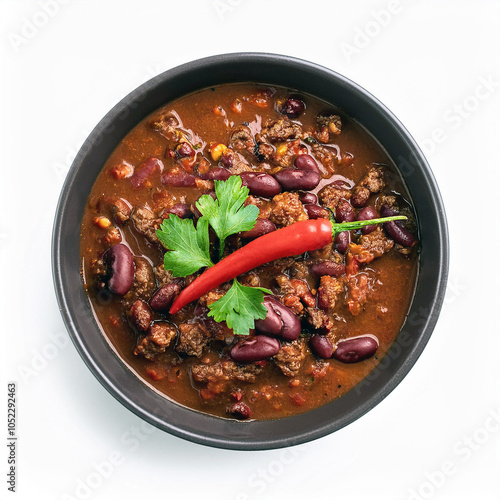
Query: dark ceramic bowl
[[325, 84]]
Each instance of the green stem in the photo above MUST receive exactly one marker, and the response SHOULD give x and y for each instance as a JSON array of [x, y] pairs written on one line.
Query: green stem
[[221, 248], [339, 227]]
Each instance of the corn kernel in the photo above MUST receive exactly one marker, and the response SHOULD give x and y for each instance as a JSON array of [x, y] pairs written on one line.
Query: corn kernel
[[217, 151], [102, 222], [281, 149]]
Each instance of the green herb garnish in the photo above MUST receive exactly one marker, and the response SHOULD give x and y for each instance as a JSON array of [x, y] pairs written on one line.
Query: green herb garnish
[[189, 246], [226, 214], [240, 307]]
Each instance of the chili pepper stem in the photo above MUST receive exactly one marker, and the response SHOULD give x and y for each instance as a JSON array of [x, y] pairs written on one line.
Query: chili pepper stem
[[339, 227]]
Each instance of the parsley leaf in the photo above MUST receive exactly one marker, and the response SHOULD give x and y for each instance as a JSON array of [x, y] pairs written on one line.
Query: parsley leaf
[[240, 307], [227, 215], [189, 246]]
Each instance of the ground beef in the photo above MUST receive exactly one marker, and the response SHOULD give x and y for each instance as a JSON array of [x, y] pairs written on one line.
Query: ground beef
[[264, 151], [374, 179], [329, 291], [166, 125], [281, 129], [211, 297], [287, 209], [250, 279], [318, 319], [241, 139], [331, 194], [193, 337], [296, 292], [146, 223], [140, 315], [291, 356], [333, 122], [163, 276], [300, 270], [225, 371], [327, 156], [284, 158], [376, 243], [388, 200], [159, 336], [144, 283], [203, 184], [358, 287]]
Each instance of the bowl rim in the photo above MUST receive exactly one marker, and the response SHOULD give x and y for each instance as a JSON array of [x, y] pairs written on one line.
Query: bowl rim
[[230, 442]]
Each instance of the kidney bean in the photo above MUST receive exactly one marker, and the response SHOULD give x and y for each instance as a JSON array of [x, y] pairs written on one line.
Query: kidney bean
[[227, 160], [294, 179], [217, 174], [164, 297], [308, 198], [179, 178], [288, 327], [344, 212], [185, 150], [317, 212], [262, 226], [356, 349], [140, 314], [240, 410], [144, 170], [182, 210], [255, 348], [395, 230], [367, 213], [321, 346], [293, 107], [328, 268], [306, 162], [342, 241], [260, 184], [121, 263]]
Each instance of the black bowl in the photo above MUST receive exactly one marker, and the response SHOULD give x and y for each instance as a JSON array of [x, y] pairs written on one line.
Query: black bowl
[[134, 393]]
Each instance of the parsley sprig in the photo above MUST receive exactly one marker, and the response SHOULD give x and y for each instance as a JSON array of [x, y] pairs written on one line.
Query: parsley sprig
[[226, 214], [189, 250], [240, 307]]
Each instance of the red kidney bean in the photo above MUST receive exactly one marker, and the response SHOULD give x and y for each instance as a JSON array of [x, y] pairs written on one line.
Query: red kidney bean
[[344, 212], [179, 178], [227, 160], [144, 170], [308, 198], [395, 230], [317, 212], [262, 226], [240, 410], [255, 348], [321, 346], [328, 268], [293, 179], [356, 349], [185, 150], [367, 213], [293, 107], [342, 241], [182, 210], [140, 314], [260, 184], [121, 263], [217, 174], [164, 297], [288, 327], [306, 162]]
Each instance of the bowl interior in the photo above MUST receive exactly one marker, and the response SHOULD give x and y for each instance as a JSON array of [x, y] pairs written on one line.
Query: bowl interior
[[273, 70]]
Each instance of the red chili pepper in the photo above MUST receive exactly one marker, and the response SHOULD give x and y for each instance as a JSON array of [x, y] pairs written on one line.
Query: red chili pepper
[[300, 237]]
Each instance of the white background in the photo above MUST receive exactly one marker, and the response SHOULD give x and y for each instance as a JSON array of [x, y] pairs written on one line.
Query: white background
[[430, 62]]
